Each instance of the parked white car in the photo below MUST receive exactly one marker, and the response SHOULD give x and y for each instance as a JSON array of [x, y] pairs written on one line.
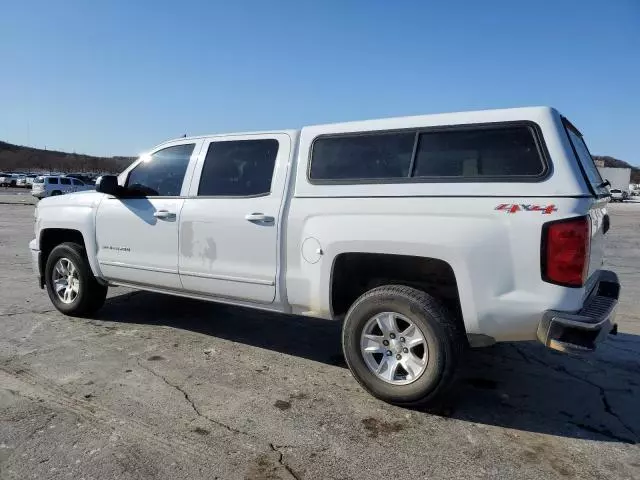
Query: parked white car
[[10, 179], [618, 195], [52, 185], [423, 234], [26, 181]]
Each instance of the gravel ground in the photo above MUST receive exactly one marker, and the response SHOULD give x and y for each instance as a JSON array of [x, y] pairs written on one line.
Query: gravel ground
[[166, 388]]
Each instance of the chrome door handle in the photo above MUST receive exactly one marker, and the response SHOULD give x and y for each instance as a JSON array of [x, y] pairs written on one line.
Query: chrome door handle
[[259, 217], [164, 214]]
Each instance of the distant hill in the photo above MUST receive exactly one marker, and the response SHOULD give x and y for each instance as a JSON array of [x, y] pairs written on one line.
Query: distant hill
[[614, 162], [27, 159]]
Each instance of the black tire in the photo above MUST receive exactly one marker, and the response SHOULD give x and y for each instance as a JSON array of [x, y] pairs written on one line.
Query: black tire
[[444, 339], [56, 193], [91, 294]]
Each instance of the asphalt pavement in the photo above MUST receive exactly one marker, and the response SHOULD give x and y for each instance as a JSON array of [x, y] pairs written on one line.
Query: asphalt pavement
[[9, 196], [158, 387]]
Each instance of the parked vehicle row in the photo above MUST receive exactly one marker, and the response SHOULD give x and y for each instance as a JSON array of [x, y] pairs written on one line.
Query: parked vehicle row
[[26, 180], [49, 185], [10, 179]]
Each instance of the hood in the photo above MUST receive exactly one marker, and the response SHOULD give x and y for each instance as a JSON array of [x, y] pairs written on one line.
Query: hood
[[88, 198]]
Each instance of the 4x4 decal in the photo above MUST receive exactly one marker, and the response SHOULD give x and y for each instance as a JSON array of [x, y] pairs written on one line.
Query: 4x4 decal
[[515, 207]]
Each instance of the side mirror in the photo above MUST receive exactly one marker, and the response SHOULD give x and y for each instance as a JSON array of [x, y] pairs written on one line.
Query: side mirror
[[108, 184]]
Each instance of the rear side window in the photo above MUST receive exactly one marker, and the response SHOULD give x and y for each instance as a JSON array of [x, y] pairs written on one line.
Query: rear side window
[[238, 168], [162, 173], [76, 182], [65, 181], [586, 161], [53, 181], [486, 153], [499, 152]]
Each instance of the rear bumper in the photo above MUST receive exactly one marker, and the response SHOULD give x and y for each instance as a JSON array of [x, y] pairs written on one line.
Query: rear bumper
[[581, 331]]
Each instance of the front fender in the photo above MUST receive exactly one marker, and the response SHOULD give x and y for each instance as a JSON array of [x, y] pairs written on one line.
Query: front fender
[[80, 218]]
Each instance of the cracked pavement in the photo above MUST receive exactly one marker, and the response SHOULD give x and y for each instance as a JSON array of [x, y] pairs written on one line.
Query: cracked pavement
[[158, 387]]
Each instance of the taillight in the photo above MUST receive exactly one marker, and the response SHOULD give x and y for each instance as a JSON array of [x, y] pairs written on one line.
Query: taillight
[[565, 251]]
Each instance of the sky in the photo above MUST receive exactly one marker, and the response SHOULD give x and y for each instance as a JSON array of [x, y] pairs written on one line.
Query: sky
[[116, 77]]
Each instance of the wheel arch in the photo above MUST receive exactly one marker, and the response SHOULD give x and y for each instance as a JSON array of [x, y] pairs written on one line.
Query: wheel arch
[[51, 237], [353, 273]]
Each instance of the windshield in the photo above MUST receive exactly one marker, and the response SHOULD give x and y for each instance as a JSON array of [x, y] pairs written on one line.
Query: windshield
[[584, 157], [38, 180]]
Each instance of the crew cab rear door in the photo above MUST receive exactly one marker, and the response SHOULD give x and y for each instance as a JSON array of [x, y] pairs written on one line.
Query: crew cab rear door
[[229, 223]]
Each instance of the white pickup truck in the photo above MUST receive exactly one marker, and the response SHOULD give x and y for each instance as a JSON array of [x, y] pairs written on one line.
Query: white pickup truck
[[423, 234]]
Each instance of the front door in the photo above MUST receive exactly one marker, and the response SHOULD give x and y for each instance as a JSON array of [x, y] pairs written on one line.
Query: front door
[[137, 233], [229, 223]]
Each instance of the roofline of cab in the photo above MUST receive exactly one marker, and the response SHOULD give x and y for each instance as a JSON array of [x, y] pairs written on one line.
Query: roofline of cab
[[230, 134]]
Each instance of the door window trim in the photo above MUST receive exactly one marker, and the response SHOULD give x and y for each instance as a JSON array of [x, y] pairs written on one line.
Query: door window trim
[[205, 152], [123, 178], [281, 137]]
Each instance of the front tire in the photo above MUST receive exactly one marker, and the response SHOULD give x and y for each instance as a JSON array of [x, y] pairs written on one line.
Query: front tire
[[71, 286], [402, 345]]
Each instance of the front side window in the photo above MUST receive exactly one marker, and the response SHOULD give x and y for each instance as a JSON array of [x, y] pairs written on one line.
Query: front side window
[[65, 181], [162, 173], [52, 181], [238, 168]]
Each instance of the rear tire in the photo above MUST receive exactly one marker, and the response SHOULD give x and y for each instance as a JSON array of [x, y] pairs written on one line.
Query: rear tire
[[400, 307], [71, 286]]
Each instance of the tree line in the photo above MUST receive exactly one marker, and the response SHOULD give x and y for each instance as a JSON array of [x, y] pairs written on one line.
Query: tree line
[[26, 159]]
